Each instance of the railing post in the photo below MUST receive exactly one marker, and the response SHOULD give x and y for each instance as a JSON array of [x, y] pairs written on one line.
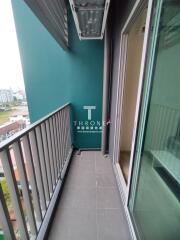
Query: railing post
[[56, 145], [58, 142], [46, 158], [63, 133], [32, 178], [42, 164], [13, 189], [51, 161], [38, 171], [5, 218], [25, 185], [53, 149]]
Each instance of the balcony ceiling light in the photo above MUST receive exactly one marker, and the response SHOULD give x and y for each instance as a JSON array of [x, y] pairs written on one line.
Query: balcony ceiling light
[[90, 17]]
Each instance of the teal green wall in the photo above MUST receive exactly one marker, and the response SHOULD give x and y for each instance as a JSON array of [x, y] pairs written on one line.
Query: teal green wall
[[54, 77]]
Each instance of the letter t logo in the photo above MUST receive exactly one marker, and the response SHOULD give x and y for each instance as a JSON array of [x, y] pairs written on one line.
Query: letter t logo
[[89, 108]]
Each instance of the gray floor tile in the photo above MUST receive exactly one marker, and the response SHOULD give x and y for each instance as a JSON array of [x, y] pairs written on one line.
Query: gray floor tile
[[90, 207], [108, 197], [78, 197], [87, 155], [99, 155], [80, 164], [74, 167], [81, 179], [103, 166], [85, 165], [74, 224], [111, 225], [105, 180]]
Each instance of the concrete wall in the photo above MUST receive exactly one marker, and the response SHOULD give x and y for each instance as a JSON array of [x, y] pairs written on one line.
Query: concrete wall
[[54, 77]]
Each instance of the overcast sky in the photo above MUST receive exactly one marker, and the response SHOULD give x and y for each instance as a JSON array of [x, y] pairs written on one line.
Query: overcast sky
[[10, 64]]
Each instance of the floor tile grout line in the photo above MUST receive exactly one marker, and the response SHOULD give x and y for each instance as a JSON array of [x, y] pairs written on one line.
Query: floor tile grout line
[[97, 229], [95, 164], [97, 235], [97, 209], [109, 208], [114, 187], [79, 187]]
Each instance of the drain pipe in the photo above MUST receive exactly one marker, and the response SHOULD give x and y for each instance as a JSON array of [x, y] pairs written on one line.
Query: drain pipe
[[106, 83]]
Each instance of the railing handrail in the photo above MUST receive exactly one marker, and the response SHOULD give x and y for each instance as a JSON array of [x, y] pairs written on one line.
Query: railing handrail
[[21, 133], [41, 153]]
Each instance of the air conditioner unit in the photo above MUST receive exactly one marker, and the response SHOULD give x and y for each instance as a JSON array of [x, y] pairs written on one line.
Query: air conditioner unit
[[90, 17]]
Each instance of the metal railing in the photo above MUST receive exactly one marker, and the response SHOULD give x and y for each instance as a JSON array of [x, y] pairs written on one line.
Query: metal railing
[[34, 162]]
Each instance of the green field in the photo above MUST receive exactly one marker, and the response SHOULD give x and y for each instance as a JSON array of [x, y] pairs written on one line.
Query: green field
[[1, 237], [4, 116]]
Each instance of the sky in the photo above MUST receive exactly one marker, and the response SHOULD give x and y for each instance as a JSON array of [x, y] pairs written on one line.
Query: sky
[[10, 64]]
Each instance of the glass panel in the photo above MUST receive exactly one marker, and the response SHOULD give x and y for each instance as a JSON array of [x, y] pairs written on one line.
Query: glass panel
[[155, 207], [135, 38]]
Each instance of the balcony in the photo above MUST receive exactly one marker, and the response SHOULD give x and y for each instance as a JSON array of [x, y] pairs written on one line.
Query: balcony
[[124, 95], [57, 192]]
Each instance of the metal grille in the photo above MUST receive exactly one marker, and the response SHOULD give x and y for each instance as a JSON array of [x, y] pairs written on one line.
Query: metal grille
[[90, 17]]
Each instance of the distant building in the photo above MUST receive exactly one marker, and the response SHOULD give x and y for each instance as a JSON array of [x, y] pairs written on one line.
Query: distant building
[[6, 96], [18, 120], [19, 95], [20, 116], [10, 128]]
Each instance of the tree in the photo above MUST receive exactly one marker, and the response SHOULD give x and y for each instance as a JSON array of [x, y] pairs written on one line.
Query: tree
[[6, 194]]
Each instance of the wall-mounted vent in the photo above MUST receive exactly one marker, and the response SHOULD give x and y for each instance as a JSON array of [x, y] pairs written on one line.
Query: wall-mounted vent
[[90, 17]]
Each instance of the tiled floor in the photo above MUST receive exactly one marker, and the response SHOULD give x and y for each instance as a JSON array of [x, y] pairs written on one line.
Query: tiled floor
[[90, 207]]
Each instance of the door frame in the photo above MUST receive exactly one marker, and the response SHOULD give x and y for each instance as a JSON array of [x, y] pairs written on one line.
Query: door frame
[[136, 10]]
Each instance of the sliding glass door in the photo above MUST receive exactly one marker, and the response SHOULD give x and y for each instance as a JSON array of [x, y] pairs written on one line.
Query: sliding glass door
[[135, 37], [154, 202]]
